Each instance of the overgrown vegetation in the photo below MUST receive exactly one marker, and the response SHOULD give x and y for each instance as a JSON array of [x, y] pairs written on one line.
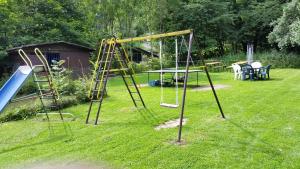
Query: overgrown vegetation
[[221, 27], [275, 58], [23, 111]]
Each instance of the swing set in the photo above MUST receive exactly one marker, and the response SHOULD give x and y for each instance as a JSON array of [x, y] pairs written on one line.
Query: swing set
[[112, 50]]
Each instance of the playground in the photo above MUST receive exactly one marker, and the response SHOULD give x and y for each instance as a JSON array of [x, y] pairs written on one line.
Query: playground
[[192, 118], [260, 133]]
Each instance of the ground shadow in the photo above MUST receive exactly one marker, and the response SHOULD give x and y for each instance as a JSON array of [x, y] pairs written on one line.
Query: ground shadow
[[49, 140], [267, 145], [148, 115], [53, 136]]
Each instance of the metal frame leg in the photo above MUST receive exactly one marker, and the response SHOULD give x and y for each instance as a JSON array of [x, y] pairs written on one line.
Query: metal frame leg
[[184, 87]]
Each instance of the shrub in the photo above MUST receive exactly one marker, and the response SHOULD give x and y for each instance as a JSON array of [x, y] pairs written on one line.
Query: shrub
[[3, 79], [278, 59], [211, 52], [24, 112], [28, 88], [21, 114], [154, 63], [82, 88]]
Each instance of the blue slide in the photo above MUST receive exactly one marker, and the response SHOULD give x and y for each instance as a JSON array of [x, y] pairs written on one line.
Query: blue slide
[[13, 85]]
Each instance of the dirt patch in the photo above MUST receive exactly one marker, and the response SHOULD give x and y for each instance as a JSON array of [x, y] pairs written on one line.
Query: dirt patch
[[143, 85], [171, 124], [206, 88]]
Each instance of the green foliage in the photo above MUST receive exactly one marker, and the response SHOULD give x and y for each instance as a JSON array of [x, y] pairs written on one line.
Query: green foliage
[[210, 52], [275, 58], [286, 32], [3, 54], [152, 64], [21, 114], [82, 86], [28, 88], [23, 111], [3, 79], [139, 67], [217, 23]]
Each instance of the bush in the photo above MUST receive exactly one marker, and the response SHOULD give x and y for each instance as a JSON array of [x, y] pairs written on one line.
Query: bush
[[28, 88], [278, 59], [154, 63], [3, 79], [82, 88], [22, 113], [25, 112], [211, 52]]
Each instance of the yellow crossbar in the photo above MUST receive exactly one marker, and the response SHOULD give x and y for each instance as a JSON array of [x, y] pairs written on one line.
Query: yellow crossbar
[[149, 37]]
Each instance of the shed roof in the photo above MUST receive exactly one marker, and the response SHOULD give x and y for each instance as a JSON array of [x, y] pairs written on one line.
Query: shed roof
[[145, 51], [51, 43]]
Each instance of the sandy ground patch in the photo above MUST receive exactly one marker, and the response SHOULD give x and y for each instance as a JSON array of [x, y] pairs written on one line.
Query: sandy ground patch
[[170, 124], [206, 88], [143, 85]]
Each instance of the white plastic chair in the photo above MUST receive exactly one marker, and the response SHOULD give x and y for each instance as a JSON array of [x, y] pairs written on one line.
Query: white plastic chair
[[256, 65], [237, 71]]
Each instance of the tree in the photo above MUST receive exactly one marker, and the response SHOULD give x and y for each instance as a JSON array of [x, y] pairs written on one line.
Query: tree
[[286, 32]]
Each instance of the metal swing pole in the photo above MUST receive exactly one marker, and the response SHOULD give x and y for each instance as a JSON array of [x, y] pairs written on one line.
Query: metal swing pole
[[184, 86], [211, 84]]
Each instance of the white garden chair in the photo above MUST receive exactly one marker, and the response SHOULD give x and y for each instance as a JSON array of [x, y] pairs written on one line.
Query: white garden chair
[[237, 71]]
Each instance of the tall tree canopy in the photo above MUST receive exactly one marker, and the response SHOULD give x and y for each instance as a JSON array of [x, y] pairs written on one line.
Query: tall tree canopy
[[219, 24], [286, 32]]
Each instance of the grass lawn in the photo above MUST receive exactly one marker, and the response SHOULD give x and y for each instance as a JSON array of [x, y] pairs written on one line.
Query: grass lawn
[[262, 129]]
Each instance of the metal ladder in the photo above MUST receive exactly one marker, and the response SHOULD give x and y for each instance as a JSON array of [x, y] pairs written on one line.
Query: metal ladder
[[42, 76], [107, 53]]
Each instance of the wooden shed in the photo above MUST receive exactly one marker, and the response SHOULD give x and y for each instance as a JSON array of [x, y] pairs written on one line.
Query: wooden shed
[[138, 53], [76, 56]]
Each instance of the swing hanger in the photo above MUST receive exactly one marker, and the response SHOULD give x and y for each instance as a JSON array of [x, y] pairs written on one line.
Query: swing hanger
[[162, 103]]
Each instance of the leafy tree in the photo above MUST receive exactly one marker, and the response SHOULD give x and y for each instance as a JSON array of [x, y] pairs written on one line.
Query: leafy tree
[[286, 32]]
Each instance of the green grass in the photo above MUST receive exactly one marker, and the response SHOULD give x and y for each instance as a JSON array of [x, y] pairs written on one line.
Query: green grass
[[261, 131]]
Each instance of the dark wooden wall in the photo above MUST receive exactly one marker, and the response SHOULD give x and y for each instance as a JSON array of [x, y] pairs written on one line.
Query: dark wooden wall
[[77, 59]]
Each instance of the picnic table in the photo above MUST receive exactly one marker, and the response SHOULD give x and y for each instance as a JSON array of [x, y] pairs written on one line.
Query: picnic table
[[214, 65], [241, 62]]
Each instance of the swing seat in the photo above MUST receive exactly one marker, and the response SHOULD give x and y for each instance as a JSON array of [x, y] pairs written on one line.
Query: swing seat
[[169, 105]]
